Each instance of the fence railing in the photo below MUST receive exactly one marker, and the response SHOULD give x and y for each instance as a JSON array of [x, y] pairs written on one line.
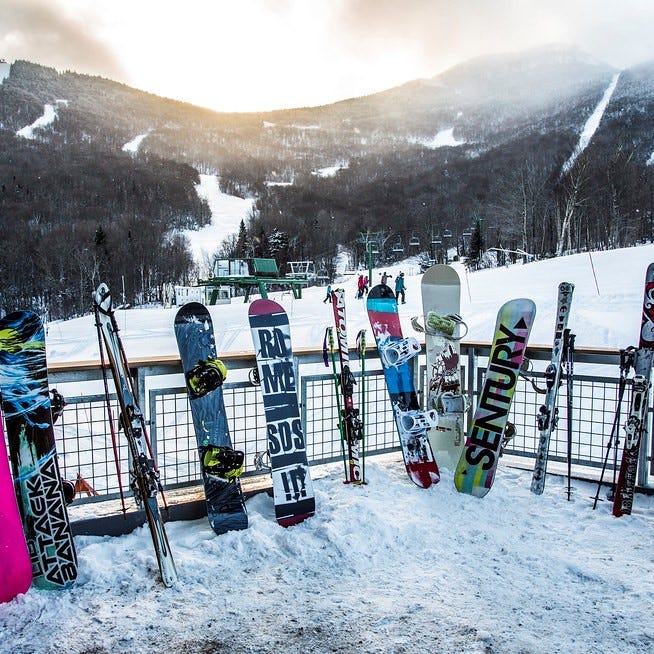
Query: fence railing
[[86, 445]]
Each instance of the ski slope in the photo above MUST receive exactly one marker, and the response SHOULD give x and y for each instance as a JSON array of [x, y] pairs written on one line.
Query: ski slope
[[388, 567]]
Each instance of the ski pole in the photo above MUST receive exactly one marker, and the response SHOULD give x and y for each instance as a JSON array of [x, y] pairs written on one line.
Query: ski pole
[[361, 347], [626, 357], [569, 340], [112, 429]]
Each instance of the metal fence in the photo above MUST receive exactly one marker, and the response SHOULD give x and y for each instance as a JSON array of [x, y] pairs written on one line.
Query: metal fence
[[86, 444]]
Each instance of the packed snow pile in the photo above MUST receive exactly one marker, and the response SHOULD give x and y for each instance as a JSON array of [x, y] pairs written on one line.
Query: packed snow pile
[[387, 567]]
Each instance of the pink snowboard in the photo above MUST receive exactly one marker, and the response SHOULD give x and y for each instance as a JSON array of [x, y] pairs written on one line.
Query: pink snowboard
[[15, 563]]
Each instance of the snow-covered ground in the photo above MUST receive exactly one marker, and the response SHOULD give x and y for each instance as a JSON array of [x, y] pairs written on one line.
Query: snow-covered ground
[[388, 567]]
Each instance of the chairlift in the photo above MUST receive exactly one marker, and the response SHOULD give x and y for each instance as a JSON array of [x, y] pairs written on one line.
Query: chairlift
[[447, 233], [436, 238], [414, 242], [466, 233], [374, 249], [398, 247]]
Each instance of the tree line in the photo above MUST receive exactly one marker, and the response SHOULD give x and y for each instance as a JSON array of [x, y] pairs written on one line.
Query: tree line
[[74, 217]]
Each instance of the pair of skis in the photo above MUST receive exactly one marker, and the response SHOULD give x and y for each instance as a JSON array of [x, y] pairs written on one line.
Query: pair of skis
[[143, 473], [636, 427], [351, 420]]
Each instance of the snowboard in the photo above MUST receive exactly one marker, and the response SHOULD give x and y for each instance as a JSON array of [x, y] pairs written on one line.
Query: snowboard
[[204, 376], [32, 450], [15, 562], [475, 471], [292, 488], [636, 426], [395, 353], [441, 296]]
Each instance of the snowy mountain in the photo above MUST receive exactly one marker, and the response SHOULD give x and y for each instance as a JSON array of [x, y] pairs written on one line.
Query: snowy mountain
[[491, 141]]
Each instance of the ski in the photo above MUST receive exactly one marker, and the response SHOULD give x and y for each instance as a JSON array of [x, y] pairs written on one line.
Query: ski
[[444, 329], [204, 373], [15, 562], [292, 488], [475, 471], [144, 476], [350, 418], [32, 450], [548, 414], [395, 353], [636, 426]]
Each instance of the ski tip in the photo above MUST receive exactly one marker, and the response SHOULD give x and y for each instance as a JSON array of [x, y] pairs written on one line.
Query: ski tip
[[102, 298]]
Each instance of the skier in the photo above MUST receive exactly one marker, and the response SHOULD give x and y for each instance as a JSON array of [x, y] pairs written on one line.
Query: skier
[[360, 287], [329, 294], [366, 282], [385, 277], [400, 288]]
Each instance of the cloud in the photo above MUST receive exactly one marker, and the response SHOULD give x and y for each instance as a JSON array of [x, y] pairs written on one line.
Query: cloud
[[39, 31]]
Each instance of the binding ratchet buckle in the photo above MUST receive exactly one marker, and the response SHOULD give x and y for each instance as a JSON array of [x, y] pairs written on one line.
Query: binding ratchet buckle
[[395, 353]]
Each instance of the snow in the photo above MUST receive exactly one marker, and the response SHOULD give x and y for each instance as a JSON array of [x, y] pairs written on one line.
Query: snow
[[133, 146], [48, 117], [330, 171], [388, 567], [444, 138], [227, 211], [591, 124]]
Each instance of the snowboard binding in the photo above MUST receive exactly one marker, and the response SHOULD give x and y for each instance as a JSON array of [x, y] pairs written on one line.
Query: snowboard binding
[[262, 461], [205, 377], [395, 353], [507, 435], [57, 404], [442, 325], [450, 402], [223, 462], [417, 422], [253, 376]]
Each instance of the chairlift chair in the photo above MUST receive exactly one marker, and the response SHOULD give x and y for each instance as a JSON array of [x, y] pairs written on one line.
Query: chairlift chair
[[398, 247], [414, 242]]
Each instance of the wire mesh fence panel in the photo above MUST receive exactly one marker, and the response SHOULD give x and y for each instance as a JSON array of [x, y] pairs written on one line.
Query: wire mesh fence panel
[[85, 447]]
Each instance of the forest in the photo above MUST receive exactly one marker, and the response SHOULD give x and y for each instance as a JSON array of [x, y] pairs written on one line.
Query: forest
[[362, 175]]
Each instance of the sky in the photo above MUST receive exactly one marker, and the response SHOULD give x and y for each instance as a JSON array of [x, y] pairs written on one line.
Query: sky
[[254, 55]]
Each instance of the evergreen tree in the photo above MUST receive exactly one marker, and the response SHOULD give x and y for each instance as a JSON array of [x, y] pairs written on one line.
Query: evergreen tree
[[476, 247]]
